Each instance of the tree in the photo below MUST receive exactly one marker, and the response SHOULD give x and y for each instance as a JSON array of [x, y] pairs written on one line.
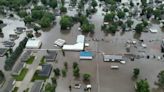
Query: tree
[[160, 77], [129, 23], [86, 77], [1, 21], [63, 2], [136, 72], [53, 3], [49, 87], [139, 28], [120, 14], [66, 65], [45, 22], [86, 27], [7, 55], [109, 17], [157, 13], [131, 3], [37, 14], [145, 23], [2, 77], [22, 13], [112, 28], [10, 50], [66, 22], [63, 9], [75, 64], [144, 2], [30, 35], [94, 3], [57, 71], [28, 20], [0, 30], [64, 72], [76, 72], [142, 86]]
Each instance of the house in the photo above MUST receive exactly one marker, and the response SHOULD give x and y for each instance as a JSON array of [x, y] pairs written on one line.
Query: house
[[19, 30], [79, 46], [45, 70], [10, 86], [18, 68], [33, 44], [13, 36], [37, 86], [26, 55], [86, 55], [112, 58], [3, 51], [9, 43], [51, 56]]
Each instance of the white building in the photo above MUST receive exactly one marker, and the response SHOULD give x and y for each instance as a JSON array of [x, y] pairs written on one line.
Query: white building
[[33, 44], [80, 42]]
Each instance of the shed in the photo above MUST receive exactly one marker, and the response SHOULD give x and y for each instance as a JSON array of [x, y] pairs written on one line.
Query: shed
[[45, 71], [18, 68], [37, 86], [86, 55], [33, 44], [113, 58]]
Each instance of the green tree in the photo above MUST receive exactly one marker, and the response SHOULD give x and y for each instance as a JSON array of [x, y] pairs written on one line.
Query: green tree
[[63, 9], [157, 13], [66, 65], [120, 14], [86, 77], [136, 72], [10, 50], [22, 13], [28, 20], [45, 22], [57, 71], [49, 87], [94, 3], [53, 3], [2, 77], [0, 30], [139, 28], [109, 17], [86, 27], [144, 2], [64, 72], [76, 72], [142, 86], [75, 64], [161, 79], [145, 23], [112, 28], [37, 14], [66, 22], [129, 23]]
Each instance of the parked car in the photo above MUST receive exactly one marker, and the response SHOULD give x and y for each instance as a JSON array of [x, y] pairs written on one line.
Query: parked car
[[77, 86]]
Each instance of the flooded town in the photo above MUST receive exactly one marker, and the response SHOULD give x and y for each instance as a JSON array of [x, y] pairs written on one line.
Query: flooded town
[[82, 45]]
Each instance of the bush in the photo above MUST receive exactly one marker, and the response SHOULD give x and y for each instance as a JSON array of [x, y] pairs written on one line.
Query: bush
[[86, 77], [57, 71], [64, 72]]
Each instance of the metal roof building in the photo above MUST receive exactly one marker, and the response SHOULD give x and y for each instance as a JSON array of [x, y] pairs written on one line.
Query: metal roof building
[[33, 44], [26, 55], [45, 71], [51, 56], [18, 68], [86, 55], [37, 86], [113, 57], [10, 85]]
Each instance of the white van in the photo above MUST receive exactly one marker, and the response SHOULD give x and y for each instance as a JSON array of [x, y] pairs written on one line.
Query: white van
[[114, 67]]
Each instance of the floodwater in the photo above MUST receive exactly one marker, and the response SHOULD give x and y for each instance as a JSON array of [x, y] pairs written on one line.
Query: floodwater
[[108, 80]]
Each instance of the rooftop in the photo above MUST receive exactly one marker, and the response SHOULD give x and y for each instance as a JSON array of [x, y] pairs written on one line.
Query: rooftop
[[46, 70], [26, 56], [3, 51], [37, 86], [18, 68], [112, 57], [10, 85], [86, 53], [51, 56]]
